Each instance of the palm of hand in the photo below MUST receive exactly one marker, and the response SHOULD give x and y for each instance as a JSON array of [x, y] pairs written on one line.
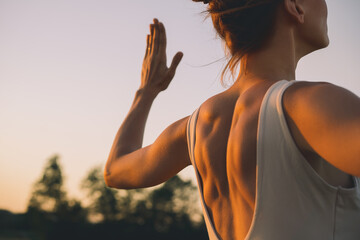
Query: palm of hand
[[155, 75]]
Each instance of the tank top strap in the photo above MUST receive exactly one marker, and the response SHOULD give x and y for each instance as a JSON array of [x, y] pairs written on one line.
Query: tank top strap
[[269, 137]]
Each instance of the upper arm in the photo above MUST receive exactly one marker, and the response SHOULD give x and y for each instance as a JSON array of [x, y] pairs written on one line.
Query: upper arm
[[154, 164], [328, 119]]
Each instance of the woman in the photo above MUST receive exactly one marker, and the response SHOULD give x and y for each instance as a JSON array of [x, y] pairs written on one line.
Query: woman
[[274, 158]]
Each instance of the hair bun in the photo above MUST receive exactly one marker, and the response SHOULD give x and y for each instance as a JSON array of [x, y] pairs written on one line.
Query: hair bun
[[203, 1]]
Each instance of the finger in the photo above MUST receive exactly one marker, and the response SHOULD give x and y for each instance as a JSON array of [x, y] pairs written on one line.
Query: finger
[[147, 45], [174, 64], [156, 36], [151, 38], [162, 44]]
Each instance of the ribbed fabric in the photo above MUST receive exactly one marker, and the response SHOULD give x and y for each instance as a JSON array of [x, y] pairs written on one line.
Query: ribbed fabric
[[292, 201]]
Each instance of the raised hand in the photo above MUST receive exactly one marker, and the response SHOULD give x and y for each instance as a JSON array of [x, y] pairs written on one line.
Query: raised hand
[[155, 75]]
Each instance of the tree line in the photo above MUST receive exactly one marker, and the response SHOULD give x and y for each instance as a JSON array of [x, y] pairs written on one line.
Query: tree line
[[166, 212]]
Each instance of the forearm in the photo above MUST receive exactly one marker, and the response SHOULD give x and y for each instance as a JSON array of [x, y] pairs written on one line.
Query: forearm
[[155, 77], [131, 132]]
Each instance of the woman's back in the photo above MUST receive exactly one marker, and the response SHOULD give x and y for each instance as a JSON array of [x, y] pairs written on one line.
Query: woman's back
[[226, 157]]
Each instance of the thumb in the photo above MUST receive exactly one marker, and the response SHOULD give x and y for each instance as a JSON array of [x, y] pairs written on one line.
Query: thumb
[[174, 64]]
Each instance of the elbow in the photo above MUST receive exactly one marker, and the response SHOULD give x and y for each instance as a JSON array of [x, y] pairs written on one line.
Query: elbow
[[114, 182], [107, 179], [117, 176]]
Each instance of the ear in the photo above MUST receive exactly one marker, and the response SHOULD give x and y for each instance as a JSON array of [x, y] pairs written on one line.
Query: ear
[[295, 9]]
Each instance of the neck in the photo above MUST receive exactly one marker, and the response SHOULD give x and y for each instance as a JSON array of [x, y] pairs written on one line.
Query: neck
[[276, 61]]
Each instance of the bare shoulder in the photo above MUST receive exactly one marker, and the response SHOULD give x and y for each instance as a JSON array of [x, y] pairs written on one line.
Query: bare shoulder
[[325, 119], [218, 106], [320, 98]]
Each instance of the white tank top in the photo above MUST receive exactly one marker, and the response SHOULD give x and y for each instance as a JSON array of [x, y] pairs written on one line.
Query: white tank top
[[292, 201]]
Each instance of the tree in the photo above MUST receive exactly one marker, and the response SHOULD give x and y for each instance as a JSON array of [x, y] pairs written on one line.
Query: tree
[[163, 212], [50, 214], [173, 205], [48, 192], [103, 200]]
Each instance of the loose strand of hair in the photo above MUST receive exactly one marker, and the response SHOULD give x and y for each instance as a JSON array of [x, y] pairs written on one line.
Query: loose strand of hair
[[237, 9], [230, 67]]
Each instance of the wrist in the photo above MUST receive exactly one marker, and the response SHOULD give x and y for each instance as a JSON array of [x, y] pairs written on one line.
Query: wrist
[[146, 93], [143, 99]]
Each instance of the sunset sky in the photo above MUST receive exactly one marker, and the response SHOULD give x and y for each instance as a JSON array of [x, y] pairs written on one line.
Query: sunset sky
[[69, 70]]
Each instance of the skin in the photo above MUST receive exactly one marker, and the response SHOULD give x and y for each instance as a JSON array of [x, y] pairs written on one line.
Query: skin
[[324, 121]]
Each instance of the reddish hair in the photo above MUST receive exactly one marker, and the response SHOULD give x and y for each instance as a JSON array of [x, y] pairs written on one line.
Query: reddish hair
[[244, 25]]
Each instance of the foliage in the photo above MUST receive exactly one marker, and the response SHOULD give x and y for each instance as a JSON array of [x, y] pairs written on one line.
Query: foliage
[[50, 213], [104, 200], [164, 212], [48, 193]]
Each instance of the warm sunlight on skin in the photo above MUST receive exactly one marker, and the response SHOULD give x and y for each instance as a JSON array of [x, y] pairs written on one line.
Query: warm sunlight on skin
[[127, 153], [66, 82], [243, 129]]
